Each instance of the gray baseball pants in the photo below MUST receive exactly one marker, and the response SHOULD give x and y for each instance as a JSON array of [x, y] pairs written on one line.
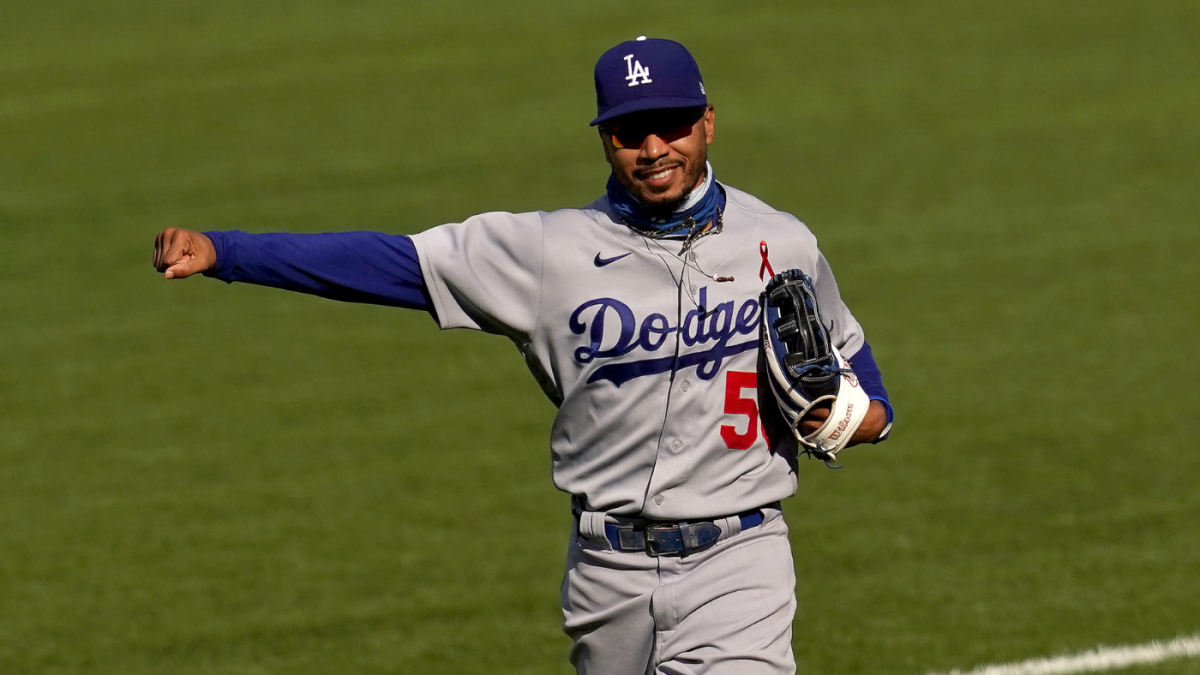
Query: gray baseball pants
[[724, 611]]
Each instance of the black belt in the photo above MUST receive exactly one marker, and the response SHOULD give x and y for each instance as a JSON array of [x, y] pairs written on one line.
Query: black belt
[[665, 539]]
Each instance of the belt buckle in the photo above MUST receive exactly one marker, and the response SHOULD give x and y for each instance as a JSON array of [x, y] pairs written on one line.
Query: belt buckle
[[664, 539]]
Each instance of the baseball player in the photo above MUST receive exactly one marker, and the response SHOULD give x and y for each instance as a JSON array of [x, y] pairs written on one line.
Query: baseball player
[[640, 317]]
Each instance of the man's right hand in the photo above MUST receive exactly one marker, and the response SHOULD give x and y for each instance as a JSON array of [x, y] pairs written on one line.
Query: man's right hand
[[181, 253]]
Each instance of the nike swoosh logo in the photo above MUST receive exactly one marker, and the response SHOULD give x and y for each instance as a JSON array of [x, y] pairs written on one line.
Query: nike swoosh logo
[[601, 262]]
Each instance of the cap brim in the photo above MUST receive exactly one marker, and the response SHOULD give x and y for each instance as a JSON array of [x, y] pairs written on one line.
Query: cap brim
[[649, 103]]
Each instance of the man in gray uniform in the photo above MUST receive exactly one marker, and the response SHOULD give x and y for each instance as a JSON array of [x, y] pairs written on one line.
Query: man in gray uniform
[[639, 315]]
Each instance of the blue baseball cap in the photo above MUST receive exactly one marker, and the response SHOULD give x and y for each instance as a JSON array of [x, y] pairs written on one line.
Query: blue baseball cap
[[646, 74]]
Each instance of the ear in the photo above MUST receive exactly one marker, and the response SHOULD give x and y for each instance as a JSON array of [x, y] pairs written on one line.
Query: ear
[[710, 124]]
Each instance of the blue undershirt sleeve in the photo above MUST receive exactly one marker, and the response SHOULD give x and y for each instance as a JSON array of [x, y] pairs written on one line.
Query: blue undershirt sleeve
[[369, 267], [867, 372]]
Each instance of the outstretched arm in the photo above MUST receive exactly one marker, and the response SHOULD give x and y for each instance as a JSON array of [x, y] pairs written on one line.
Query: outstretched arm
[[368, 267]]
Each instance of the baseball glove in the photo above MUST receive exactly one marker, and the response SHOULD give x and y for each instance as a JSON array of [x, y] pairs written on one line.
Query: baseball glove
[[805, 370]]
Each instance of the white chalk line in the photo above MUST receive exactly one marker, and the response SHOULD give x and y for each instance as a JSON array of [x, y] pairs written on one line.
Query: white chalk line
[[1096, 660]]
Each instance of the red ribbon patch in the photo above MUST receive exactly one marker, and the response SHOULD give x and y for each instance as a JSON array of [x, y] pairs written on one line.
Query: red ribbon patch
[[766, 264]]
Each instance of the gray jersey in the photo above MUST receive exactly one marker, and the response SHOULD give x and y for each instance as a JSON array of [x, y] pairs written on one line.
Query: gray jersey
[[650, 360]]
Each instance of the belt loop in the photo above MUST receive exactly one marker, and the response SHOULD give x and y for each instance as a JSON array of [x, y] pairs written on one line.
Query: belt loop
[[591, 527], [731, 526]]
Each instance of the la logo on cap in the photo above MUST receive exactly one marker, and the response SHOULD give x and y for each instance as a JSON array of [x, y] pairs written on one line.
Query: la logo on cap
[[637, 74]]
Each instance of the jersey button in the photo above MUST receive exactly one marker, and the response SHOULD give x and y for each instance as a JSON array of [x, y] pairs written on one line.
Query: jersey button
[[658, 499], [677, 444], [686, 385]]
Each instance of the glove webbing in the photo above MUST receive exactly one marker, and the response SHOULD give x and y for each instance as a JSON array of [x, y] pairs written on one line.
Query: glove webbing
[[809, 358]]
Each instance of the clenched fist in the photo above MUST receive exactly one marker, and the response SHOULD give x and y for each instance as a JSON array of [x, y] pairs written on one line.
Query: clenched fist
[[181, 253]]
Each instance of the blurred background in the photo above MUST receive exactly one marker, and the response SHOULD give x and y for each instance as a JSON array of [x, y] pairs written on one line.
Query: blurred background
[[202, 478]]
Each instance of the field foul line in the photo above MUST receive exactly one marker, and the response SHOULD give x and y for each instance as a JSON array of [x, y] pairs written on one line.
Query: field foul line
[[1096, 660]]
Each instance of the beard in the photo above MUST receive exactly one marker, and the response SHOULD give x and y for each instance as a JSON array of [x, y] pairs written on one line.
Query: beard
[[664, 208]]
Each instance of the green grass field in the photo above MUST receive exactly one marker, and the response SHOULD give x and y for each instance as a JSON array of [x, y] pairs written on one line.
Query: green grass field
[[202, 478]]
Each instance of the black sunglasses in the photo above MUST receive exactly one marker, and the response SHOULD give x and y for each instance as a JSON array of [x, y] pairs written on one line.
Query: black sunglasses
[[670, 125]]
